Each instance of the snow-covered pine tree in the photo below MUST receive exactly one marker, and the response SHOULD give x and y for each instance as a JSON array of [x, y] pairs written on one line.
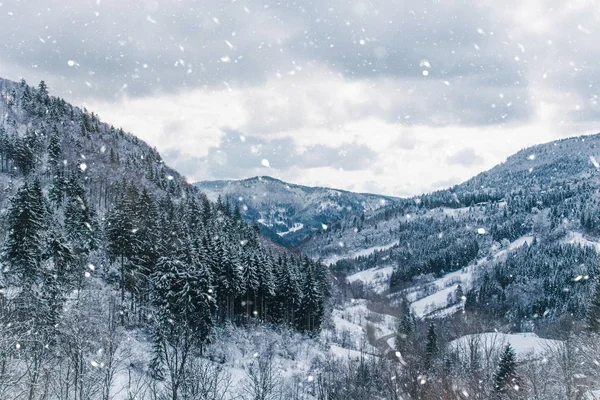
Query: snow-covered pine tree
[[27, 224], [251, 285], [506, 381], [311, 307], [593, 313], [431, 348], [267, 284], [122, 240]]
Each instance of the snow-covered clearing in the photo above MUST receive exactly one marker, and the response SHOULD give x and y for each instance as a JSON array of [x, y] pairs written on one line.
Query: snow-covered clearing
[[359, 253], [527, 345], [432, 299], [297, 226], [581, 239], [432, 303], [376, 278]]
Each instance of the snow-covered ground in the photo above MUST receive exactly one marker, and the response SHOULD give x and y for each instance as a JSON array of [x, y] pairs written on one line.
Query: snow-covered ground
[[376, 278], [364, 252], [432, 299], [581, 239], [296, 227], [433, 302], [526, 345]]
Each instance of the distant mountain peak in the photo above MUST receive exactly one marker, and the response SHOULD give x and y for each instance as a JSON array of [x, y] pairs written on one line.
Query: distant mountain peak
[[287, 212]]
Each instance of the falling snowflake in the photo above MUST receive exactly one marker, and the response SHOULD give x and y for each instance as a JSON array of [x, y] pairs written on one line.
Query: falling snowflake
[[481, 231], [83, 167], [265, 163]]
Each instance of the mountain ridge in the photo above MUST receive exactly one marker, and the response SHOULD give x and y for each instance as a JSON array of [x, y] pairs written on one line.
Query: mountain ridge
[[289, 213]]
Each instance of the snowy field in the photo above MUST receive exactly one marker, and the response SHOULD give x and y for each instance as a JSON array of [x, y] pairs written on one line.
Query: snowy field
[[359, 253], [526, 345], [377, 279]]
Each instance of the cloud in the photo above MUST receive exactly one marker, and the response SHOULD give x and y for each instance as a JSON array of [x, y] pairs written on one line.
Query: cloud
[[399, 97], [239, 155], [466, 157]]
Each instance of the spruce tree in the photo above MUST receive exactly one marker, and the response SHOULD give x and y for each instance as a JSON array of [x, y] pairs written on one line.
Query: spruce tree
[[405, 329], [593, 313], [311, 307], [26, 228], [506, 381], [122, 240], [54, 151], [431, 348], [251, 285]]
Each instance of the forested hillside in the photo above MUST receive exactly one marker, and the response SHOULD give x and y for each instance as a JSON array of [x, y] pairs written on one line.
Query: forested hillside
[[290, 213], [102, 241], [545, 196]]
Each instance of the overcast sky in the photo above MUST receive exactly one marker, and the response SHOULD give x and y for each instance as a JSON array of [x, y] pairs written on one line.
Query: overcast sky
[[390, 96]]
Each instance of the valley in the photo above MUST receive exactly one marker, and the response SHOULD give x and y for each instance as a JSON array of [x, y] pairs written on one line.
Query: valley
[[113, 264]]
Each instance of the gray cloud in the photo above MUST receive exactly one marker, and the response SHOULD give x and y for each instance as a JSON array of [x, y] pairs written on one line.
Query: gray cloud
[[141, 48], [307, 83], [466, 157], [240, 155]]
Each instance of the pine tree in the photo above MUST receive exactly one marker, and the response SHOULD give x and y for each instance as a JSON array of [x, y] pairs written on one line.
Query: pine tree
[[288, 290], [122, 240], [182, 319], [54, 151], [431, 348], [26, 227], [231, 282], [5, 149], [405, 329], [24, 155], [506, 381], [81, 224], [593, 313], [267, 287], [251, 285], [311, 307]]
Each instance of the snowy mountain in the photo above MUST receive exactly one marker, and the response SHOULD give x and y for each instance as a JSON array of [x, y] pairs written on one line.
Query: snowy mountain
[[542, 176], [290, 213]]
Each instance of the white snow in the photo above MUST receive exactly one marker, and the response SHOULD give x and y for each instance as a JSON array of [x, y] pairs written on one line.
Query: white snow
[[432, 303], [359, 253], [432, 299], [527, 345], [341, 352], [377, 278], [296, 227], [581, 239]]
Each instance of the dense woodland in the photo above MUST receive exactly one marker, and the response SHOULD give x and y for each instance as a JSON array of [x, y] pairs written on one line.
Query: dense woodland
[[90, 212]]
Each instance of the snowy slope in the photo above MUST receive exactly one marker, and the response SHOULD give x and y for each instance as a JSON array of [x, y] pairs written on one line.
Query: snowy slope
[[432, 299]]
